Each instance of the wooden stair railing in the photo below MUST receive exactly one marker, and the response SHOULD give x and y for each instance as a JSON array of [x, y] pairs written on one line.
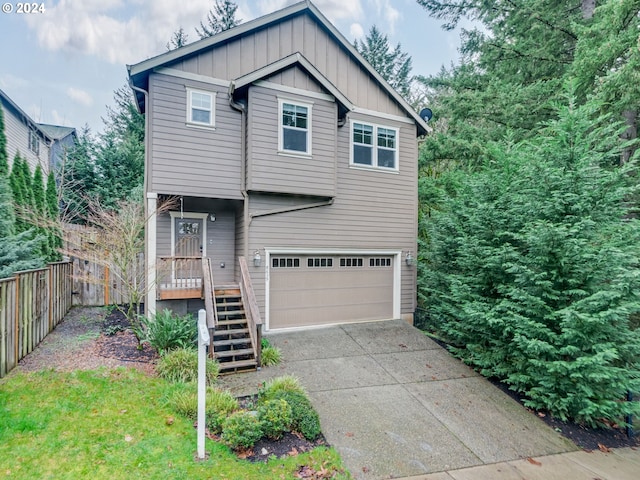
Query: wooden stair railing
[[208, 294], [252, 312]]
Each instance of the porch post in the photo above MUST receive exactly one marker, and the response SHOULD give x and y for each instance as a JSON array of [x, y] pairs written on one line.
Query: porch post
[[150, 256]]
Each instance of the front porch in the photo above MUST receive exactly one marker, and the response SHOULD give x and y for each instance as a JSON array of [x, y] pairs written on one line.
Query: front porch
[[233, 316]]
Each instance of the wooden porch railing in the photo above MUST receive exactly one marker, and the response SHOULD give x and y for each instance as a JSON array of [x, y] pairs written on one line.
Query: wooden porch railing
[[179, 277], [208, 295], [252, 312]]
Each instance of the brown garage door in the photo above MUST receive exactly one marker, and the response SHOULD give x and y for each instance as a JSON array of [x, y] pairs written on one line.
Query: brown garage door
[[308, 290]]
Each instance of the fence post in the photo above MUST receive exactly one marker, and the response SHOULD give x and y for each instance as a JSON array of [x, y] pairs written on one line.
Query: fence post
[[17, 313]]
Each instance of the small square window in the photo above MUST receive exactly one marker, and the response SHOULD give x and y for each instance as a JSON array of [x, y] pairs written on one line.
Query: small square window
[[295, 127], [201, 108]]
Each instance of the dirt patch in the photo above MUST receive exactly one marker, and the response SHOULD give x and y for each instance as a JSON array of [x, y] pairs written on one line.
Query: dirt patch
[[79, 342]]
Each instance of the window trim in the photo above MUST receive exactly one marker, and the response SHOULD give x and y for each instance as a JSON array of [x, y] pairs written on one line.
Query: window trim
[[309, 106], [374, 147], [34, 142], [212, 111]]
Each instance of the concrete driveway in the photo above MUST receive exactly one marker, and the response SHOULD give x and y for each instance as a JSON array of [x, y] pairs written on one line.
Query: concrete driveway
[[395, 404]]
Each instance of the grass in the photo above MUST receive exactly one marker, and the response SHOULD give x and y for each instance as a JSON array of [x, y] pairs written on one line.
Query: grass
[[116, 424]]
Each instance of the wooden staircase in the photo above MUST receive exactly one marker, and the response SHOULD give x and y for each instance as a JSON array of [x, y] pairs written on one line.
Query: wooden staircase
[[232, 346]]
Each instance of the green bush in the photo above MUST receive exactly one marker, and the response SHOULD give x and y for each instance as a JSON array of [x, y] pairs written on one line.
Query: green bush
[[220, 404], [181, 365], [286, 383], [265, 343], [241, 429], [530, 268], [275, 417], [304, 418], [270, 356], [166, 331]]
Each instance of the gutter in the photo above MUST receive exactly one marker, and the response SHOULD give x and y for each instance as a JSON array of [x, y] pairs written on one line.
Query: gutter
[[243, 165]]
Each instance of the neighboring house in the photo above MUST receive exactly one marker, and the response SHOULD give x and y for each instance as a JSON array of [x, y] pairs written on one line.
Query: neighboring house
[[24, 136], [64, 139], [281, 144], [39, 143]]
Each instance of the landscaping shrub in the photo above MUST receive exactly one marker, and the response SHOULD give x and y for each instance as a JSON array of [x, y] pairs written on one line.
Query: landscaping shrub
[[220, 404], [304, 418], [286, 383], [275, 417], [530, 268], [270, 356], [181, 365], [241, 429], [166, 331]]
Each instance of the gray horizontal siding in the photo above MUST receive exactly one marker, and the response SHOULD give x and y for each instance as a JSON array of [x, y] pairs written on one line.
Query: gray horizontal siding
[[372, 210], [270, 172], [298, 34], [189, 160], [17, 133]]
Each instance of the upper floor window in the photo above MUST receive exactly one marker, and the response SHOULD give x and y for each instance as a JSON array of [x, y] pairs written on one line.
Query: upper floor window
[[374, 146], [34, 142], [295, 127], [201, 107]]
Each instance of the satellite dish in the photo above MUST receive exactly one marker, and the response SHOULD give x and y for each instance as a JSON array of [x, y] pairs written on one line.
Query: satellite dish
[[426, 114]]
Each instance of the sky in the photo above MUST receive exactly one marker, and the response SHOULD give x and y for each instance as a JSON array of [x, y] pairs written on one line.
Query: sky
[[62, 65]]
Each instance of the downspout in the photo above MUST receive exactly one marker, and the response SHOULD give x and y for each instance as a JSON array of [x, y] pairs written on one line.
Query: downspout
[[150, 289], [243, 165]]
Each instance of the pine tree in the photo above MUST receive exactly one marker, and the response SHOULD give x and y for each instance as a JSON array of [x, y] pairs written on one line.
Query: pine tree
[[4, 160], [532, 268], [19, 192], [221, 18], [178, 39], [394, 65], [38, 212], [52, 214]]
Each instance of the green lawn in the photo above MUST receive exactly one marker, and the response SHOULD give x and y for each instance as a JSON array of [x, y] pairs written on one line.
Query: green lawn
[[112, 424]]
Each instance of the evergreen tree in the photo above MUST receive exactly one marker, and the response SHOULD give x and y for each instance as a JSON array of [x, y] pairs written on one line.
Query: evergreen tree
[[178, 39], [4, 160], [7, 217], [78, 177], [393, 65], [532, 268], [52, 214], [221, 18], [20, 186], [38, 211]]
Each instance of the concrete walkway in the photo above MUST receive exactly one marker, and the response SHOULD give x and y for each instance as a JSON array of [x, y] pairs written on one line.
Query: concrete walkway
[[397, 405]]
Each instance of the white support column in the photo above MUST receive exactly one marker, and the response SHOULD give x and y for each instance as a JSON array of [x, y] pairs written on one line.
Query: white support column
[[150, 254]]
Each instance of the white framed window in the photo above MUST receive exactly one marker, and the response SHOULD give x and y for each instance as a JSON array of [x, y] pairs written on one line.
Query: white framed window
[[201, 107], [34, 142], [374, 146], [294, 127]]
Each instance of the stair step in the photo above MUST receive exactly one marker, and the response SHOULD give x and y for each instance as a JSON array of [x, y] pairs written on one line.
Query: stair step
[[224, 316], [233, 353], [229, 304], [231, 321], [231, 341], [231, 331], [228, 367]]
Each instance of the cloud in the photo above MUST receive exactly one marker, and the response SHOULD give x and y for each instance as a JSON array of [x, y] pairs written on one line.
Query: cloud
[[356, 31], [80, 96], [332, 9], [57, 119], [120, 31], [390, 14]]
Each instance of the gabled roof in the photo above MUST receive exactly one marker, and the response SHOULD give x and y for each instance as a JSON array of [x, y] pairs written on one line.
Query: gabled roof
[[287, 62], [139, 73], [25, 118], [56, 132]]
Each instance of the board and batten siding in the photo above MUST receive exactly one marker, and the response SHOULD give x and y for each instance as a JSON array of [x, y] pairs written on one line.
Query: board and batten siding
[[17, 133], [373, 210], [189, 160], [299, 33], [269, 171]]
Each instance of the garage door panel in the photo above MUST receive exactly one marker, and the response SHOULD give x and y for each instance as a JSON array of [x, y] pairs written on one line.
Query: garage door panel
[[306, 296]]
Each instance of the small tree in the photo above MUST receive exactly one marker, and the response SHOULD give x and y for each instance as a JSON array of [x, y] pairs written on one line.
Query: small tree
[[114, 239], [178, 39], [52, 213]]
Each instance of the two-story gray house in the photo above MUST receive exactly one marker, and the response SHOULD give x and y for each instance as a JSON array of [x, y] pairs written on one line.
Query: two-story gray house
[[280, 144]]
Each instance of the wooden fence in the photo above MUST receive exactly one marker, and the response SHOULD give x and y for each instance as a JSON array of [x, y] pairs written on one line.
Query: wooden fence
[[32, 303]]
